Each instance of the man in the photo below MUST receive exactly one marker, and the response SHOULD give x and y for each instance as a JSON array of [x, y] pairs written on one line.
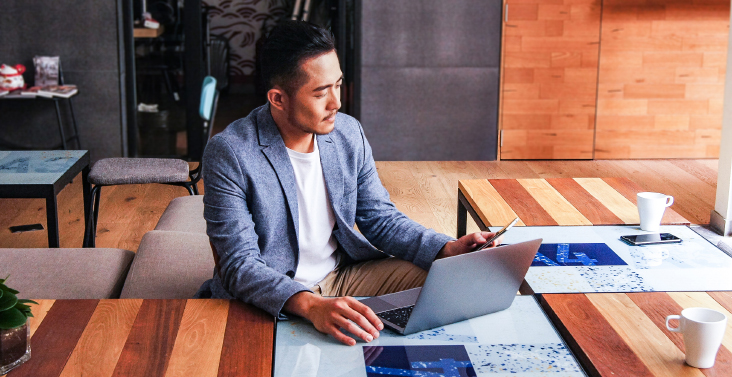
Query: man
[[285, 187]]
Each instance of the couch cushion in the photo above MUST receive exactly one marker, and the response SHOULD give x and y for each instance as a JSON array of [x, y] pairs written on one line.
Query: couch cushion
[[65, 273], [169, 265], [184, 214]]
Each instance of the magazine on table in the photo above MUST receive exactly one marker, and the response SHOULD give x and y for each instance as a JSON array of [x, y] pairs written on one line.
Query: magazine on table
[[19, 94], [63, 91], [35, 91]]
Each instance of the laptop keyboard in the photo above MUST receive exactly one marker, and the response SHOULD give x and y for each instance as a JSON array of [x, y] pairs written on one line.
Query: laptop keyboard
[[398, 316]]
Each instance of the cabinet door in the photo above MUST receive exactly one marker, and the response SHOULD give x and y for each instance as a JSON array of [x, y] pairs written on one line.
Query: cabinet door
[[661, 81], [550, 66]]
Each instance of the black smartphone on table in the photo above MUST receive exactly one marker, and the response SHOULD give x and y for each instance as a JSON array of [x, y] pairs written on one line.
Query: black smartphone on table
[[650, 239], [498, 234]]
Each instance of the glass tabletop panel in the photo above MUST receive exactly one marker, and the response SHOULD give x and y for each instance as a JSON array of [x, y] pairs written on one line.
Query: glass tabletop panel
[[36, 167], [591, 259], [518, 341]]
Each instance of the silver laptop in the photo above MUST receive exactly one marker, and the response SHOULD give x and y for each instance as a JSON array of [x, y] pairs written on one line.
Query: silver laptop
[[458, 288]]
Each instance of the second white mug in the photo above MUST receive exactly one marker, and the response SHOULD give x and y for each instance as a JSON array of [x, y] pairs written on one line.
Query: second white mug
[[651, 206], [703, 330]]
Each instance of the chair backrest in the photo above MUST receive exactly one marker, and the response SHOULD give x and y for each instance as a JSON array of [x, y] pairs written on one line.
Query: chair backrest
[[208, 94]]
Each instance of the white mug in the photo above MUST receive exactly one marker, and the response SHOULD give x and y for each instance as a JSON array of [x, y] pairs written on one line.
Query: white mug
[[651, 206], [703, 330]]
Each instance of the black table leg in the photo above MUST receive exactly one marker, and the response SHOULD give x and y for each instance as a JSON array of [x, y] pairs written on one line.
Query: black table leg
[[86, 190], [52, 220], [462, 217], [60, 124]]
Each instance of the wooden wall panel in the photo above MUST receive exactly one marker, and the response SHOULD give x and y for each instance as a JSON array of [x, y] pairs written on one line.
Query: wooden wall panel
[[549, 88], [661, 79]]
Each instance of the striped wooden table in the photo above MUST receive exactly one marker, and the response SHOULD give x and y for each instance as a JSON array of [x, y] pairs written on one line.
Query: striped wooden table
[[624, 334], [552, 201], [135, 337]]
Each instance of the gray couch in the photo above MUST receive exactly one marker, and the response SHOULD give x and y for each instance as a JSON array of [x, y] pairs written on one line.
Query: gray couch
[[172, 261], [65, 273]]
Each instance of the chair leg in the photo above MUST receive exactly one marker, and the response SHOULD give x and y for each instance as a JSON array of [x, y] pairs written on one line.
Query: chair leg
[[95, 215], [195, 188], [90, 232], [191, 188]]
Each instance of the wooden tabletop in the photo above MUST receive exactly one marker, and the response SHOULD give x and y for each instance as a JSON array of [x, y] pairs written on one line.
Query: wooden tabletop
[[554, 201], [624, 334], [135, 337]]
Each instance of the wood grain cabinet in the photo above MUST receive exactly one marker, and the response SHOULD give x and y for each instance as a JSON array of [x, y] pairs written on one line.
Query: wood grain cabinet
[[613, 79]]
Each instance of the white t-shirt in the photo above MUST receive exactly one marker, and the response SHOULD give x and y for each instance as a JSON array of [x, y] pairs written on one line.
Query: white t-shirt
[[316, 220]]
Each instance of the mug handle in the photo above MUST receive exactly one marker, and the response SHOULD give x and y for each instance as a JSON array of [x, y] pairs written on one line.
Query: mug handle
[[673, 329], [669, 201]]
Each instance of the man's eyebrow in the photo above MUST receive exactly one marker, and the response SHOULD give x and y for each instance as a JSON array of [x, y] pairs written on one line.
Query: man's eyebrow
[[326, 86]]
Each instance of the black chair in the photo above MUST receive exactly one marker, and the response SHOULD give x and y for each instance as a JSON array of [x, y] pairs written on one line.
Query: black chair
[[125, 171]]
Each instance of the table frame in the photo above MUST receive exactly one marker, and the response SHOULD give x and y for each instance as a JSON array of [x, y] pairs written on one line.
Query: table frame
[[49, 192]]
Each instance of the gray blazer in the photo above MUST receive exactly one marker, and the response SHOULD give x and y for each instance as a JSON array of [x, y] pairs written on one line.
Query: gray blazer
[[251, 209]]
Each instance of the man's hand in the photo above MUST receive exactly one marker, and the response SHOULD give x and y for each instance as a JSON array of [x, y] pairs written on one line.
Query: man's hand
[[330, 315], [466, 244]]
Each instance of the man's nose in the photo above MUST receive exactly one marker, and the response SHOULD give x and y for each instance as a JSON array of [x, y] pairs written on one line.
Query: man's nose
[[335, 99]]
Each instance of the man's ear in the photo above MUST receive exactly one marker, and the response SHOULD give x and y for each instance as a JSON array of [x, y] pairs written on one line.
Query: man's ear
[[277, 98]]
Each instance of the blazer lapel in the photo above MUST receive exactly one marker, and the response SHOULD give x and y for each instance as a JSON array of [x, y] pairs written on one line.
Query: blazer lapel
[[331, 170], [274, 149]]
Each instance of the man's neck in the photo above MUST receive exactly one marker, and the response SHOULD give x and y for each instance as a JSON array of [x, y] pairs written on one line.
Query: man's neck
[[294, 138]]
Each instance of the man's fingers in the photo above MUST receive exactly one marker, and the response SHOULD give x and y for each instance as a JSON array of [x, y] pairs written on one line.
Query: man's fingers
[[341, 337], [354, 329], [365, 311]]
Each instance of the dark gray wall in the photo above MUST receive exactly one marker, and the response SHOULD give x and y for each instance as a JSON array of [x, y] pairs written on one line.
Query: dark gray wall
[[85, 35], [429, 78]]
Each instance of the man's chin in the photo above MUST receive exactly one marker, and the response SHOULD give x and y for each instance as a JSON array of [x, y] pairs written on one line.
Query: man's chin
[[325, 128]]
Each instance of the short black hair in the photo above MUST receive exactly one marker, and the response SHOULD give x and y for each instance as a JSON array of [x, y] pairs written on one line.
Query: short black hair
[[288, 44]]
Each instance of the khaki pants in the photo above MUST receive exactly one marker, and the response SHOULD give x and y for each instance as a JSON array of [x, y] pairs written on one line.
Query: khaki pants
[[371, 278]]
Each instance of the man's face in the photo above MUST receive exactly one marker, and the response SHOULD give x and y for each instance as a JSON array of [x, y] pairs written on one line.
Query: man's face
[[313, 107]]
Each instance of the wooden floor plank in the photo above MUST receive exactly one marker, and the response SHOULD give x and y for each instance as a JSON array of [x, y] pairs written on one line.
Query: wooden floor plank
[[553, 202], [525, 206], [630, 189], [39, 313], [161, 318], [100, 345], [198, 347], [252, 330], [611, 199], [56, 337], [648, 342], [657, 306], [593, 341], [590, 207], [488, 204], [699, 170]]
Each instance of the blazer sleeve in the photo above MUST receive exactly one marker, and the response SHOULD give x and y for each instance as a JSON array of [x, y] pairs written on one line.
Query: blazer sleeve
[[230, 227], [387, 228]]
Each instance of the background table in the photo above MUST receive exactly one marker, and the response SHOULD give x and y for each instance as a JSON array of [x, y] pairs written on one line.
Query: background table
[[43, 174], [617, 334], [519, 340], [557, 201], [135, 337]]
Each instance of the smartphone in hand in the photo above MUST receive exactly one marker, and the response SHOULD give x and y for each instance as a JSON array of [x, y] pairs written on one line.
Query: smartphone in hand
[[498, 234]]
